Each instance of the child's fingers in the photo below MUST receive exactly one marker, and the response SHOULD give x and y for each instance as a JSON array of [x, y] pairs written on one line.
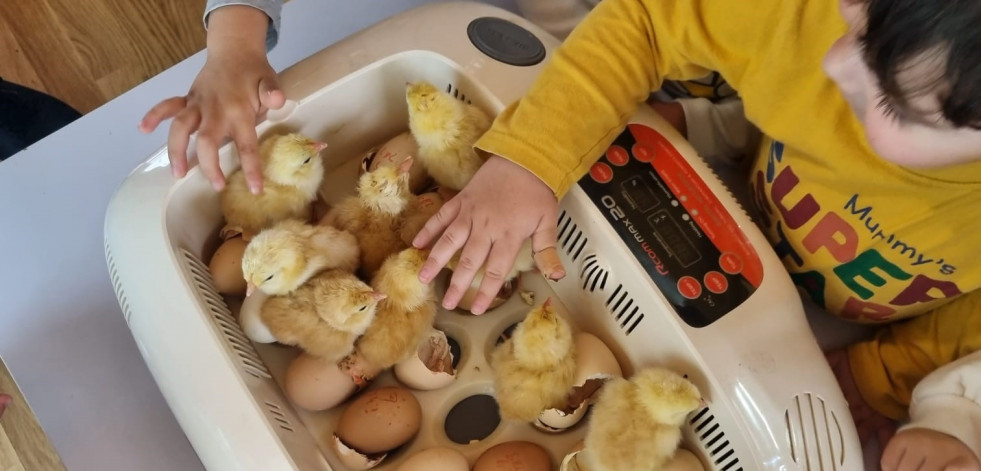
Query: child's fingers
[[247, 144], [499, 264], [270, 96], [209, 137], [471, 259], [543, 242], [185, 123], [162, 111], [434, 226], [448, 244]]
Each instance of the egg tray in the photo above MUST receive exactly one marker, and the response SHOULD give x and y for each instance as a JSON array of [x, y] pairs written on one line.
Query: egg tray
[[773, 403], [476, 337]]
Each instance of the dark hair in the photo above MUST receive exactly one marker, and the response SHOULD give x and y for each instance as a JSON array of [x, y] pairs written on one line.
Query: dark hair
[[901, 33]]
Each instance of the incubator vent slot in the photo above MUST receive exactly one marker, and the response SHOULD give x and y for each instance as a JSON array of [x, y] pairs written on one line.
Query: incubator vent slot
[[117, 285], [814, 434], [457, 93], [571, 238], [713, 439], [624, 309], [279, 416], [593, 274], [224, 319]]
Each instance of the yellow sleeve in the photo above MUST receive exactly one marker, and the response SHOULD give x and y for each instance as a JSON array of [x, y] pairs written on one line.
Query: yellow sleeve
[[621, 52], [889, 366]]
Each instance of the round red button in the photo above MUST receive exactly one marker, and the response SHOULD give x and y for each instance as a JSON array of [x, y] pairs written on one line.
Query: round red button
[[601, 172], [689, 287], [617, 155], [730, 263], [643, 152], [716, 282]]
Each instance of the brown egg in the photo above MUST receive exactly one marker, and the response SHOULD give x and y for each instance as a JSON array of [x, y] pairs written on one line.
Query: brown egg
[[435, 459], [316, 384], [393, 153], [514, 456], [380, 420], [226, 267]]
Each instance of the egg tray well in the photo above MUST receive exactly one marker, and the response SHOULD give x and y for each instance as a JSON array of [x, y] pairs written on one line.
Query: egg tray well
[[773, 402], [476, 336]]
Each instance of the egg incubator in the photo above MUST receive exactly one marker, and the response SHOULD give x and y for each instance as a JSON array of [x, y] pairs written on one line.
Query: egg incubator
[[663, 266]]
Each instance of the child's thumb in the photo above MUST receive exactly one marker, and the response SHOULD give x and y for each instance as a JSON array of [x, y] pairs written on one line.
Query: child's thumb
[[270, 96]]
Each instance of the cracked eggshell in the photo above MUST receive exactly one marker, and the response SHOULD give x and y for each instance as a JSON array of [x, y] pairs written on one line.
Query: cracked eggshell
[[571, 460], [251, 321], [435, 459], [392, 153], [432, 365], [316, 384], [595, 363], [355, 460]]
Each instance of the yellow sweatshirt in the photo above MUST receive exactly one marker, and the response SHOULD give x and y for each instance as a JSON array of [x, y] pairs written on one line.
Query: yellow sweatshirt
[[869, 240]]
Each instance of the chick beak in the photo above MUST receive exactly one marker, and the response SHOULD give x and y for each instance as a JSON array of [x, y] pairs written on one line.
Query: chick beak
[[249, 289], [378, 296], [702, 403], [319, 146]]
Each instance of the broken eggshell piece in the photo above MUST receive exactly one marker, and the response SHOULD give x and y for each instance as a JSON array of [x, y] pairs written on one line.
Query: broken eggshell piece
[[432, 365], [571, 462], [354, 459], [250, 319], [595, 364]]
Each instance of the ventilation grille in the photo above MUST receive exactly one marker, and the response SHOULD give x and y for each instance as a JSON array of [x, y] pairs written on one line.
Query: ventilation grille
[[276, 411], [457, 93], [624, 309], [224, 320], [593, 274], [816, 442], [117, 284], [713, 439], [571, 238]]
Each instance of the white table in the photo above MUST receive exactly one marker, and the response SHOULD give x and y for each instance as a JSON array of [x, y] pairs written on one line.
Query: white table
[[61, 330]]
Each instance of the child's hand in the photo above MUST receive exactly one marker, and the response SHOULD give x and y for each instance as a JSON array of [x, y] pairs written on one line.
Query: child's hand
[[920, 449], [490, 218], [235, 85]]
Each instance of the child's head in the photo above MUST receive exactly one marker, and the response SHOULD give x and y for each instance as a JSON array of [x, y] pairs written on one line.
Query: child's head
[[911, 70]]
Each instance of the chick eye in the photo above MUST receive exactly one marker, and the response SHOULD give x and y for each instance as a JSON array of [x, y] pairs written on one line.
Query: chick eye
[[269, 278], [307, 161], [362, 308]]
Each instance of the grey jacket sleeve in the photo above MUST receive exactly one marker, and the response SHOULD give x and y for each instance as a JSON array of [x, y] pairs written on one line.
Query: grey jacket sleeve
[[271, 8]]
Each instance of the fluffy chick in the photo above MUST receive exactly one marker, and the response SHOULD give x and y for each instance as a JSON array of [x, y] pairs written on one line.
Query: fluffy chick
[[405, 316], [534, 369], [286, 255], [446, 129], [374, 216], [292, 171], [636, 424], [324, 316]]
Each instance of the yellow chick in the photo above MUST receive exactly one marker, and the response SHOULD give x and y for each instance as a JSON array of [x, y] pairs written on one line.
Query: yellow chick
[[446, 129], [292, 171], [324, 316], [534, 369], [405, 317], [283, 257], [374, 216], [636, 424]]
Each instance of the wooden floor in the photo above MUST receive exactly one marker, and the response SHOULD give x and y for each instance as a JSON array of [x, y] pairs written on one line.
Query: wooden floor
[[88, 52]]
